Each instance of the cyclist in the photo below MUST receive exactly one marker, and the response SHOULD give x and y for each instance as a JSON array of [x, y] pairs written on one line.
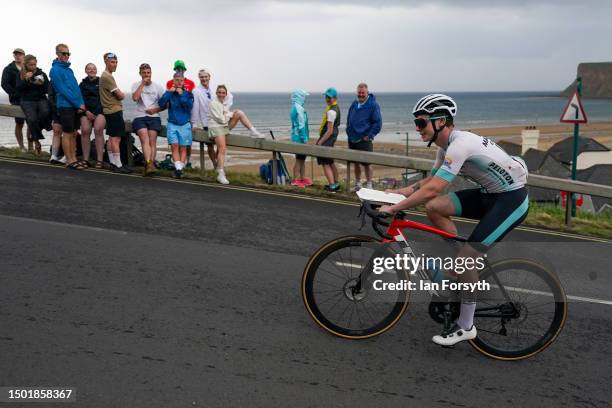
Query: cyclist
[[500, 204]]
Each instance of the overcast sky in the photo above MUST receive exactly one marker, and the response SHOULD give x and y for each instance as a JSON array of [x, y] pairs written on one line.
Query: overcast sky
[[253, 45]]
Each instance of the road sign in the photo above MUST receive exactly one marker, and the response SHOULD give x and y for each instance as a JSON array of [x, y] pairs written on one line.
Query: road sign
[[574, 111]]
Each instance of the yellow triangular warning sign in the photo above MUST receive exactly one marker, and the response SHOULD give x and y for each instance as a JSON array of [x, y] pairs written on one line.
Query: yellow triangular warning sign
[[574, 111]]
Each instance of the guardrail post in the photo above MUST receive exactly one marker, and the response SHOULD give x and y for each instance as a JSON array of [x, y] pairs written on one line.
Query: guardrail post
[[202, 159], [348, 176], [129, 150], [274, 167], [568, 208]]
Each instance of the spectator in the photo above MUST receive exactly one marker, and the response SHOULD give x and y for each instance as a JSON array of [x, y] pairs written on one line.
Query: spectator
[[202, 97], [328, 133], [112, 107], [179, 66], [69, 103], [179, 102], [9, 84], [33, 86], [93, 117], [220, 121], [362, 125], [56, 143], [189, 85], [147, 123], [299, 134]]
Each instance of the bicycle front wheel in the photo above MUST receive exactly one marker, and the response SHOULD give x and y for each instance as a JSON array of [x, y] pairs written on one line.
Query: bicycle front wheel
[[344, 301], [522, 314]]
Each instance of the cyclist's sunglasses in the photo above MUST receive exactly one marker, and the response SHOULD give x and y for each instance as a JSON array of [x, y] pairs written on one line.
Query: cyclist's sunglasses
[[421, 123]]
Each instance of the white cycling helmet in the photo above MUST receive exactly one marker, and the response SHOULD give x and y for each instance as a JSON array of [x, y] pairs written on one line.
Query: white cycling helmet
[[433, 103]]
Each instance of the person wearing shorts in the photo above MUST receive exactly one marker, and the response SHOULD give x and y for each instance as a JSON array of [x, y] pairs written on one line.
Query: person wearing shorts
[[57, 154], [203, 95], [69, 104], [363, 123], [328, 133], [111, 98], [220, 121], [179, 103], [147, 123], [500, 204], [93, 118]]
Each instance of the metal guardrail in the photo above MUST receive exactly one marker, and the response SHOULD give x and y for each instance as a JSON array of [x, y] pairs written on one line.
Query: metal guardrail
[[355, 156]]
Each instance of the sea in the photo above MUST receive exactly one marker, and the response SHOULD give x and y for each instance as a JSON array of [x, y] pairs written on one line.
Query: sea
[[270, 111]]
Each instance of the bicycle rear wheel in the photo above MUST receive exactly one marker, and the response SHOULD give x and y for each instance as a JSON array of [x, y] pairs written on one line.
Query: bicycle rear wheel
[[341, 299], [522, 314]]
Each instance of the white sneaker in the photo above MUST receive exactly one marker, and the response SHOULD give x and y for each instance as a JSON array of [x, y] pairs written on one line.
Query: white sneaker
[[62, 160], [369, 185], [255, 133], [356, 186], [454, 335], [221, 177]]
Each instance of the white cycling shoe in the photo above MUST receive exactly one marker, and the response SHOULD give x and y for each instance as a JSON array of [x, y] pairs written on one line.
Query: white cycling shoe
[[454, 335]]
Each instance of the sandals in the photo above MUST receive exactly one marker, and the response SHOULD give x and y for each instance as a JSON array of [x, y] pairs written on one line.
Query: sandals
[[83, 163], [99, 165], [75, 166]]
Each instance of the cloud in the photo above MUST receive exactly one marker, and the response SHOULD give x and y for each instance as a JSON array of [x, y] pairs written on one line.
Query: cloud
[[280, 45]]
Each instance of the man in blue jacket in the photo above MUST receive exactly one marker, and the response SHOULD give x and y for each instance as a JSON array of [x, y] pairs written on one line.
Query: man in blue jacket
[[362, 125], [179, 102], [69, 104]]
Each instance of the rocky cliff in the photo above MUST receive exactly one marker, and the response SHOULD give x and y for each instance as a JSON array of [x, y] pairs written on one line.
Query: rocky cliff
[[596, 80]]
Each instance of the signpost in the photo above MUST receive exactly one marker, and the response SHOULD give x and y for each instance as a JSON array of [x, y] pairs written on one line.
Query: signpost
[[574, 113]]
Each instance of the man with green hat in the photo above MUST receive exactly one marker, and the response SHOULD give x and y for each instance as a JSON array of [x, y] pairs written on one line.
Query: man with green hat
[[179, 66]]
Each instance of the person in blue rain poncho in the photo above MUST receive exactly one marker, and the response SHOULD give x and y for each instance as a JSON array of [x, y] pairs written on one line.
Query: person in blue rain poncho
[[299, 134]]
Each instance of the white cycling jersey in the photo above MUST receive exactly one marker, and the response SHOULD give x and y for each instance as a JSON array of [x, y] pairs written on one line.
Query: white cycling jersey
[[482, 160]]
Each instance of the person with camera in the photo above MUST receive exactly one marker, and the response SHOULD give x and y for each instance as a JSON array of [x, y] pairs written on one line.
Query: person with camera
[[33, 85], [179, 102]]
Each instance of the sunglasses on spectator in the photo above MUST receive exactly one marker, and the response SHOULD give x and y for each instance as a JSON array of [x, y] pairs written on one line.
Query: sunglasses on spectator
[[64, 54], [109, 55], [421, 123]]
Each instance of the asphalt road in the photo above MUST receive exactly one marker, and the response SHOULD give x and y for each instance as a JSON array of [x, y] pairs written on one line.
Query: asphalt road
[[154, 293]]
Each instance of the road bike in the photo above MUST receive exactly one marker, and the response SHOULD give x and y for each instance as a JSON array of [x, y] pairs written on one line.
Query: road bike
[[523, 312]]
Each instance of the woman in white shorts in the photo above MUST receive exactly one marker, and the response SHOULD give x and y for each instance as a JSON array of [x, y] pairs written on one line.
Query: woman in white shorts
[[220, 121]]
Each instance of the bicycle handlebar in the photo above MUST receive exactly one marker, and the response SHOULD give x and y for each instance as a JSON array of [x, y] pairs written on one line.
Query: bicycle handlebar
[[379, 219]]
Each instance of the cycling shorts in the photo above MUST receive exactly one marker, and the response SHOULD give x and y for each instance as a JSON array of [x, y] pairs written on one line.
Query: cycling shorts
[[499, 213]]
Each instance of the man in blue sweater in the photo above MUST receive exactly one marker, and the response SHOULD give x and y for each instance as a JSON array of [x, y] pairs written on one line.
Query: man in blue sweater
[[363, 123], [69, 104], [179, 102]]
